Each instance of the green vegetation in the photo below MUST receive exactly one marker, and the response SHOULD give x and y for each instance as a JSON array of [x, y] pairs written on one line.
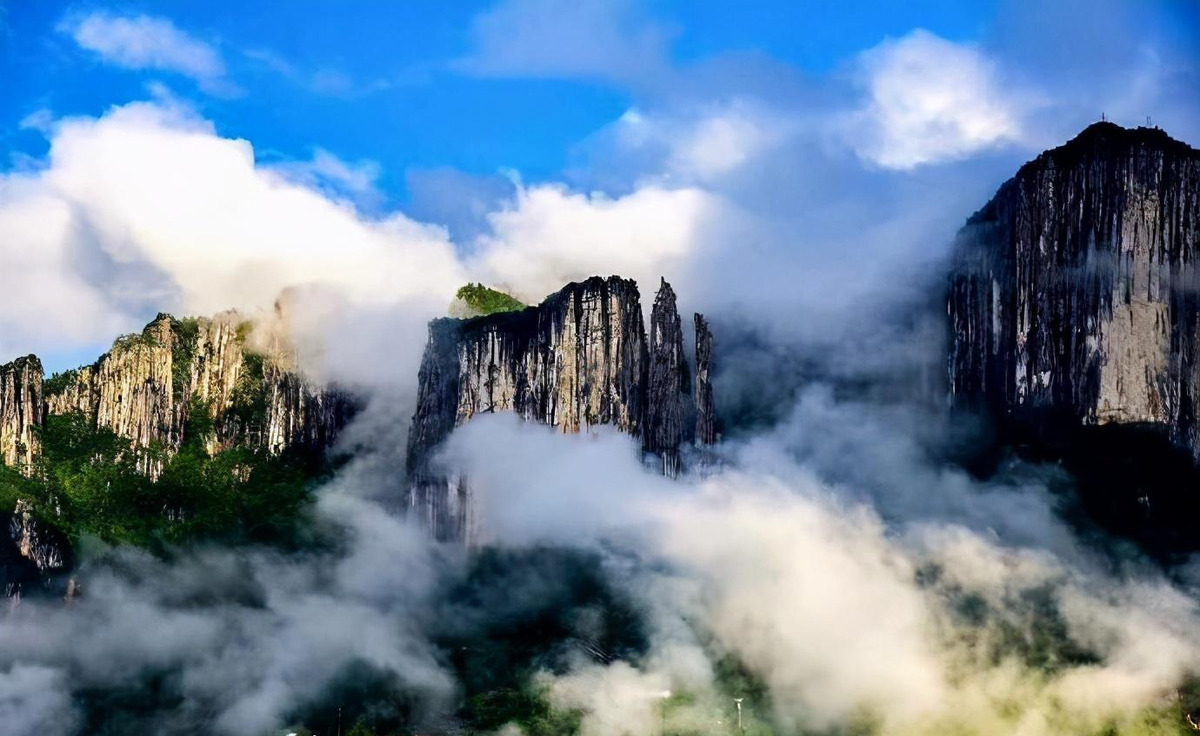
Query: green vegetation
[[528, 707], [482, 300], [183, 351], [248, 409], [88, 482], [58, 382]]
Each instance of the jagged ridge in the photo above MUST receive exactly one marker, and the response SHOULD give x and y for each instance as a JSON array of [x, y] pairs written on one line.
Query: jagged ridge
[[579, 359], [146, 388]]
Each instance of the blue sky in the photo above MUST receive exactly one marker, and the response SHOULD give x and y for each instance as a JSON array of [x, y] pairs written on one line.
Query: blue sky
[[380, 80], [383, 152]]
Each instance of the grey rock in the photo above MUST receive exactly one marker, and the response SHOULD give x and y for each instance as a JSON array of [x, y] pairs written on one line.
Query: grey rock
[[706, 425], [579, 359], [669, 408], [1075, 290]]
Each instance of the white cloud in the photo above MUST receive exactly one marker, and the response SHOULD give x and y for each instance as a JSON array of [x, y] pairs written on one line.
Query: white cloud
[[702, 146], [147, 208], [850, 614], [931, 100], [145, 42], [552, 235], [605, 39], [33, 702]]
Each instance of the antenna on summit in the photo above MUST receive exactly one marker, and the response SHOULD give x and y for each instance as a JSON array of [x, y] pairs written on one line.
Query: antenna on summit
[[1103, 118]]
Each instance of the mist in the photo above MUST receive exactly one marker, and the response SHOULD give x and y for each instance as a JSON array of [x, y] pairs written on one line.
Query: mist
[[831, 562]]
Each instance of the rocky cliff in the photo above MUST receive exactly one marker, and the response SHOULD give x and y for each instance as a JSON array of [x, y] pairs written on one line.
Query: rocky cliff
[[670, 411], [580, 359], [1074, 304], [1076, 288], [706, 424], [202, 382], [21, 411], [149, 387]]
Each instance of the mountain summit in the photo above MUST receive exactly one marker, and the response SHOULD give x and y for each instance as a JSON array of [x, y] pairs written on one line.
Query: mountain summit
[[1074, 299]]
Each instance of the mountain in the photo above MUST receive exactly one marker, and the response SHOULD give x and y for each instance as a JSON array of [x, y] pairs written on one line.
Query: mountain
[[1074, 306], [581, 358], [151, 385], [193, 427]]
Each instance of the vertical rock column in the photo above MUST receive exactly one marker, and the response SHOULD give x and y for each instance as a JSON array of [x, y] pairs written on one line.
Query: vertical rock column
[[20, 411], [706, 428], [668, 401]]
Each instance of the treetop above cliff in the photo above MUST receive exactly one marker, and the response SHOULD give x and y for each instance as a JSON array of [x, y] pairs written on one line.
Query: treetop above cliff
[[477, 300]]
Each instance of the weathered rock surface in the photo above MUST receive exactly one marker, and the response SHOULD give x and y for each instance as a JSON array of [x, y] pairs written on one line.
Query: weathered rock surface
[[670, 410], [33, 556], [21, 411], [147, 386], [579, 359], [1076, 288], [706, 424], [1074, 308]]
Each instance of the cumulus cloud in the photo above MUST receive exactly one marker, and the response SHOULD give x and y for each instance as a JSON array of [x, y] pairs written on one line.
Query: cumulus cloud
[[931, 100], [147, 208], [551, 235], [147, 42]]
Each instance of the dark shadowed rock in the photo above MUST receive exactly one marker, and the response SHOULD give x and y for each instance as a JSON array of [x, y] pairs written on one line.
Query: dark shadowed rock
[[706, 426], [34, 556], [669, 409]]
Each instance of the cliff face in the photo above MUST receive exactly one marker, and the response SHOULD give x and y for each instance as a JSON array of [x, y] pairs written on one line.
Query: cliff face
[[579, 359], [21, 411], [148, 386], [706, 425], [670, 411], [1074, 310], [1076, 288]]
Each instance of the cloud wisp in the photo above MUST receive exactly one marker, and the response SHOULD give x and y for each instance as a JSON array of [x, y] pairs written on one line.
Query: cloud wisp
[[146, 42], [607, 40]]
